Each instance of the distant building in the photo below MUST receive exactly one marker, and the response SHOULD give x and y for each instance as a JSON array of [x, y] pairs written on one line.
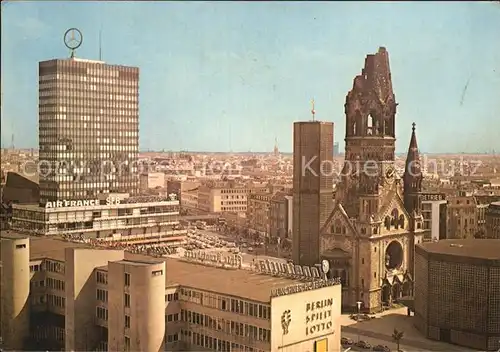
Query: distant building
[[493, 221], [225, 196], [178, 187], [312, 187], [189, 201], [434, 213], [59, 295], [281, 217], [151, 180], [462, 216], [457, 292], [258, 213], [5, 216], [336, 149], [20, 189], [482, 203]]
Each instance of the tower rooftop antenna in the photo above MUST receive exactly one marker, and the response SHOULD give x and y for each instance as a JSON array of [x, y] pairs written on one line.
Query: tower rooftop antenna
[[100, 44], [313, 112]]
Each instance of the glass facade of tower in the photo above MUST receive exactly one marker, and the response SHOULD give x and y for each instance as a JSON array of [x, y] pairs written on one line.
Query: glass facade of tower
[[88, 129]]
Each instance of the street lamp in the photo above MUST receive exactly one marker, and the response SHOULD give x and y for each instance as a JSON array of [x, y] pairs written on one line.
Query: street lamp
[[358, 303]]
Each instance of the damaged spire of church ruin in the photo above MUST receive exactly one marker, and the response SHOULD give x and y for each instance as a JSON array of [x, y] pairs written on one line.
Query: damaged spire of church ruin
[[371, 104], [370, 110]]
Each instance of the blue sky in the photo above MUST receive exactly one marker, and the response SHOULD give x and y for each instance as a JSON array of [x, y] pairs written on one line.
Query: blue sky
[[235, 76]]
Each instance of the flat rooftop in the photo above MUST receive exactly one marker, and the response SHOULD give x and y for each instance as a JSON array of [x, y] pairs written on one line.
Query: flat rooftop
[[11, 235], [239, 283], [472, 248], [141, 262], [53, 248]]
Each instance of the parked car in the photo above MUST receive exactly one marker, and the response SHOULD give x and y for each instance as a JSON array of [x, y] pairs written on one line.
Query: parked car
[[381, 348], [363, 344], [345, 341]]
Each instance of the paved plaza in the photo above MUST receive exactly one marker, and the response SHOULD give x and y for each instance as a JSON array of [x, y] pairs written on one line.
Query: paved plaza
[[382, 327]]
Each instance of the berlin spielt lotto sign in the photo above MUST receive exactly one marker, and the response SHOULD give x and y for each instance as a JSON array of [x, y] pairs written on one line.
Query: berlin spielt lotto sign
[[319, 317], [80, 203]]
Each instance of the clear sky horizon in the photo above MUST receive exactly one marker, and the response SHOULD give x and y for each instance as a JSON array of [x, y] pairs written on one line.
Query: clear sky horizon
[[234, 76]]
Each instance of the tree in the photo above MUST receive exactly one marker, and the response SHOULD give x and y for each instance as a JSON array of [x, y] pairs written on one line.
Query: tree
[[397, 336]]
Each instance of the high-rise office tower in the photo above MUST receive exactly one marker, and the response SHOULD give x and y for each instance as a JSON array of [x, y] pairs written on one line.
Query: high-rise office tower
[[88, 129], [312, 187]]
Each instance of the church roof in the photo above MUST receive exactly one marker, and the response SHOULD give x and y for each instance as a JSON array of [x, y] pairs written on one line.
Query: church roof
[[393, 199]]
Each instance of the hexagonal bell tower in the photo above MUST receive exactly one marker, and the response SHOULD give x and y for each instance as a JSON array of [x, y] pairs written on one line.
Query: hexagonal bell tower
[[412, 194]]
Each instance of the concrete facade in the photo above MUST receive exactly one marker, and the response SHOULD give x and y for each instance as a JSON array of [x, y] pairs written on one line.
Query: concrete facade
[[82, 298], [307, 321], [136, 289], [80, 293], [457, 292], [15, 291]]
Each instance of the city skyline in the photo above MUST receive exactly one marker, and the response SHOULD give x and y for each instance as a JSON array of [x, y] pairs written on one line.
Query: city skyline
[[228, 86]]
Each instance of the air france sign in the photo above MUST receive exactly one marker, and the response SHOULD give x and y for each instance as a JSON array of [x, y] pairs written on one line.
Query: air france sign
[[80, 203]]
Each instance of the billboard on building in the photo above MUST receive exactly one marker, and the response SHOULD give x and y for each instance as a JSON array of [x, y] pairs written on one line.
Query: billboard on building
[[307, 321]]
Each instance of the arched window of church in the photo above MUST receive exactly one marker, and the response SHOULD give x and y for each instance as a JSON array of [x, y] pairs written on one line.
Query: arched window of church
[[332, 229], [338, 226], [381, 127], [343, 230], [369, 124], [354, 132], [402, 221], [387, 222], [395, 217], [387, 127]]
